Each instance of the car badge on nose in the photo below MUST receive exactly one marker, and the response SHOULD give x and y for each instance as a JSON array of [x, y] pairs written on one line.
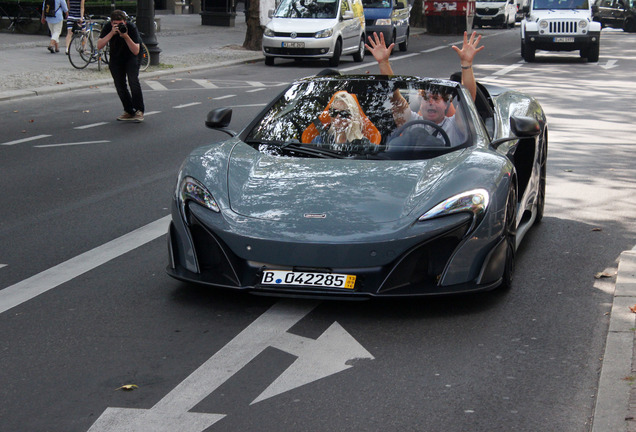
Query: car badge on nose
[[315, 215], [293, 35]]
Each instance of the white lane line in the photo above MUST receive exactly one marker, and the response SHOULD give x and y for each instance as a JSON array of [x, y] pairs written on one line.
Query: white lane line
[[255, 90], [155, 85], [187, 105], [255, 83], [3, 265], [149, 113], [205, 83], [33, 138], [72, 144], [434, 49], [88, 126], [507, 69], [224, 97], [40, 283]]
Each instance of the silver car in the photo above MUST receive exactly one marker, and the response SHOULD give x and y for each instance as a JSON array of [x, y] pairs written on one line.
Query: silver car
[[314, 29]]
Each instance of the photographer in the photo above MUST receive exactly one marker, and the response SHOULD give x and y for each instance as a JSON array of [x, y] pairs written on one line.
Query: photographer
[[123, 38]]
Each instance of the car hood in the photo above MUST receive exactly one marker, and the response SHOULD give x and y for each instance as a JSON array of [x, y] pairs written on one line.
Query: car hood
[[377, 13], [300, 25], [354, 191], [560, 14]]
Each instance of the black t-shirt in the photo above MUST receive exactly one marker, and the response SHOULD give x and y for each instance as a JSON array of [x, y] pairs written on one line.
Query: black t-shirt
[[119, 51]]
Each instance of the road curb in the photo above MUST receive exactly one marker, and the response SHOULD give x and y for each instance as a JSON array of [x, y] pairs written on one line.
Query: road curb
[[41, 91], [612, 403]]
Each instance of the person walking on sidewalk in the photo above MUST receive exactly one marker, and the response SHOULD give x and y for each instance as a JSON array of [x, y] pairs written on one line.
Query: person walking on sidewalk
[[123, 38], [75, 15], [55, 20]]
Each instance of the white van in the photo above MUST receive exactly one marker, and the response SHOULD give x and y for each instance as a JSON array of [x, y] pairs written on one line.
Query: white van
[[499, 13], [312, 29]]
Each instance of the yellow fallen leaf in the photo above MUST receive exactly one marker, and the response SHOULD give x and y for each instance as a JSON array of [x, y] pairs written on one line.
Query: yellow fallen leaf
[[597, 229], [633, 308], [127, 387]]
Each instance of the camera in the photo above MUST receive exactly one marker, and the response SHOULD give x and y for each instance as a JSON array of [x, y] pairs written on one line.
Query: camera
[[122, 28]]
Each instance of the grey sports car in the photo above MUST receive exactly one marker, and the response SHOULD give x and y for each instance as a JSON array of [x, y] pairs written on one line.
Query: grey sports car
[[394, 203]]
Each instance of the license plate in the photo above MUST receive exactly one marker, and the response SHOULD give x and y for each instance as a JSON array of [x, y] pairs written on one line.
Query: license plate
[[486, 17], [306, 279], [564, 39], [293, 44]]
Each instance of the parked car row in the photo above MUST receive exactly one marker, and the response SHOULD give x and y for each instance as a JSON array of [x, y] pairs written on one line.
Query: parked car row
[[328, 29]]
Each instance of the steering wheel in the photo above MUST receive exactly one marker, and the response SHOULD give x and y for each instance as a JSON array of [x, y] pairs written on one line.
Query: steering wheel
[[423, 133]]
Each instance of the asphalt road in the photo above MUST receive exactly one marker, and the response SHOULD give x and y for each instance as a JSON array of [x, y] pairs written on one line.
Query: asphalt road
[[84, 210]]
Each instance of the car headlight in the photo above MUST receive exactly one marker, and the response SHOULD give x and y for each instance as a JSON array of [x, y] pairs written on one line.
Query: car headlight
[[543, 24], [385, 21], [190, 189], [324, 33], [269, 32], [582, 24], [473, 201]]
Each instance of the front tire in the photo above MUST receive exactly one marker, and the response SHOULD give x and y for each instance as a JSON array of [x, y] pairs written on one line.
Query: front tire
[[527, 52], [543, 169], [405, 44], [593, 53], [269, 61], [335, 60]]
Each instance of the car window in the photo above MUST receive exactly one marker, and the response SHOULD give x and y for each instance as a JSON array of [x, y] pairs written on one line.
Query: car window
[[307, 9], [377, 3], [560, 4], [308, 113]]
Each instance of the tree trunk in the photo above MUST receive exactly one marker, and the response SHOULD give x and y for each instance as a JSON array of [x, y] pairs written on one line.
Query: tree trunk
[[417, 14], [254, 35]]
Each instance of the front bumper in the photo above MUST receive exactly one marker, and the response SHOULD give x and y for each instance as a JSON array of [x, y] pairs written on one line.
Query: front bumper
[[561, 42], [313, 47], [489, 19], [209, 254]]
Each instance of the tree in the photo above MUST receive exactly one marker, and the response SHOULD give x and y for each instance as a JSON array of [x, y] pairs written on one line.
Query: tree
[[417, 14], [254, 35]]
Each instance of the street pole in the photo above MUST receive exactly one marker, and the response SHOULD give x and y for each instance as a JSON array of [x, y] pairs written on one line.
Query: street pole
[[146, 25]]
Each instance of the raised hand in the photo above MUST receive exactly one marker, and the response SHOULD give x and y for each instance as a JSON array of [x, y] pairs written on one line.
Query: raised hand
[[469, 48]]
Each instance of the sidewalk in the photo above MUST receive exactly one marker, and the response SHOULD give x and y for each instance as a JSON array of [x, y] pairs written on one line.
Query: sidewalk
[[27, 69]]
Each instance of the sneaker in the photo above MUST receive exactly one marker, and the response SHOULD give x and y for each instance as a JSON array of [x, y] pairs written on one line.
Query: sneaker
[[138, 117], [126, 117], [51, 49]]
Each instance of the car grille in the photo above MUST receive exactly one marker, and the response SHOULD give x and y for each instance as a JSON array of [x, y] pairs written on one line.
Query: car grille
[[298, 35], [487, 11], [562, 27]]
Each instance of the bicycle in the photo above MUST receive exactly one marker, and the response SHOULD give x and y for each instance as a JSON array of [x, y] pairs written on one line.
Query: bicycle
[[144, 54], [26, 19], [83, 47]]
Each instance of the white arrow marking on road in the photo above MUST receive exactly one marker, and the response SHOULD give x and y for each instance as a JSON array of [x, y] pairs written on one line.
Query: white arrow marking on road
[[609, 65], [319, 358]]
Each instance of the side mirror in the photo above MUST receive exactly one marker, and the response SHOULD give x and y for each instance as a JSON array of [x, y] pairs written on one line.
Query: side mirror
[[521, 127], [219, 119], [594, 9], [525, 9], [347, 15]]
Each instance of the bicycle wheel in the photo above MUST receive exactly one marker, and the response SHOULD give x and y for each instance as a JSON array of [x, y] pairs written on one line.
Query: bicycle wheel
[[29, 21], [144, 57], [5, 19], [80, 51]]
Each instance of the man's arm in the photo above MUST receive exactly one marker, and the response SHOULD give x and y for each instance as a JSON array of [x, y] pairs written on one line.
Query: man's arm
[[377, 47], [466, 56]]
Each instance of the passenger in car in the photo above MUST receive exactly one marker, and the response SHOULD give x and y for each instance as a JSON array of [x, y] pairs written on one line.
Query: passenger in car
[[433, 107], [341, 124]]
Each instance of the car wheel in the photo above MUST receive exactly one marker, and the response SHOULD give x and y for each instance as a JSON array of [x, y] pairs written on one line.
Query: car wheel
[[269, 61], [543, 168], [592, 53], [528, 53], [358, 56], [510, 237], [405, 44], [335, 60]]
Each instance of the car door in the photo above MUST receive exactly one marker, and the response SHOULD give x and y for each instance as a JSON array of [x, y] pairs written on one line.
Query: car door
[[400, 18], [350, 27], [605, 11]]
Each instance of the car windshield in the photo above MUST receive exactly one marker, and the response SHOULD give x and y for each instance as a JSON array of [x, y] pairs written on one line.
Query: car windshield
[[560, 4], [371, 117], [307, 9], [376, 3]]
